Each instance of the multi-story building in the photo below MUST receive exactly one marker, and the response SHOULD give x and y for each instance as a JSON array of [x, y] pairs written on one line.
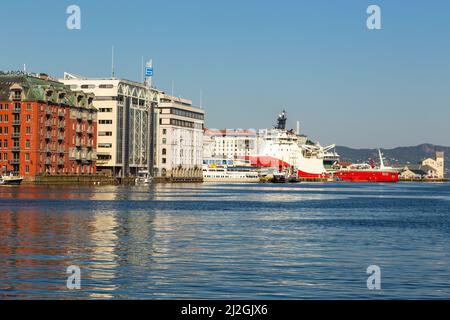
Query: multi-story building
[[436, 164], [179, 147], [125, 122], [45, 128], [230, 144]]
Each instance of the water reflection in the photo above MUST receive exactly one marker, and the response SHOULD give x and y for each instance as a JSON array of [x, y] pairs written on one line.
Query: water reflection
[[223, 241]]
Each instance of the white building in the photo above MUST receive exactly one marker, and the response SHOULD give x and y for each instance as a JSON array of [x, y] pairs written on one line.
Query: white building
[[229, 144], [437, 165], [125, 122], [179, 139]]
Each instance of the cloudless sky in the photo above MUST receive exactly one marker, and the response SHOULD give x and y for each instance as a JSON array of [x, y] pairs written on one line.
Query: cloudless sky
[[317, 59]]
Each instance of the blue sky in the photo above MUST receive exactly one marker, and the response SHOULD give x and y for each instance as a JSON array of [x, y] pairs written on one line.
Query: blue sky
[[345, 84]]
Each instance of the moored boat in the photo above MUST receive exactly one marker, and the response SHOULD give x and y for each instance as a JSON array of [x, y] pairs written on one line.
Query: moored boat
[[230, 174], [10, 180], [367, 173]]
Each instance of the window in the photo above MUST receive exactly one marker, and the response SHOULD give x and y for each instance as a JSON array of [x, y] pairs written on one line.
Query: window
[[6, 118], [1, 129], [106, 86], [5, 144], [28, 130], [1, 106], [105, 145], [163, 160], [27, 169], [164, 131], [105, 110], [6, 106], [28, 106], [17, 94], [27, 144], [164, 151], [164, 141], [104, 133], [27, 156], [87, 86], [5, 130], [1, 118], [28, 118], [105, 121]]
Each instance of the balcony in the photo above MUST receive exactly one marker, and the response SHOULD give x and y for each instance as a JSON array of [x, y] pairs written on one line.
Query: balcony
[[61, 114], [14, 161], [16, 122], [48, 136], [48, 124], [90, 131], [16, 110], [61, 150], [60, 137], [15, 135], [47, 162], [89, 144], [79, 116], [78, 157], [16, 148], [78, 143], [48, 150], [79, 130], [48, 112], [61, 125], [61, 163], [90, 117]]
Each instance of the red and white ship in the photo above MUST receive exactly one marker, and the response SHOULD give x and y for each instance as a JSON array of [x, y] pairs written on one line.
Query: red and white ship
[[367, 172], [288, 151]]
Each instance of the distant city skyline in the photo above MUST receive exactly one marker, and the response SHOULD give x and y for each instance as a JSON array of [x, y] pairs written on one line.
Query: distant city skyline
[[249, 60]]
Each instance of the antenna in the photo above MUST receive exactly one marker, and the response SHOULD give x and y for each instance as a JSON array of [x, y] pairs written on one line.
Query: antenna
[[142, 69], [112, 63]]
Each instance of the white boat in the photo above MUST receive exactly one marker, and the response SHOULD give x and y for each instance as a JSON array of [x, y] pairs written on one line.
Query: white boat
[[143, 178], [10, 180], [230, 175]]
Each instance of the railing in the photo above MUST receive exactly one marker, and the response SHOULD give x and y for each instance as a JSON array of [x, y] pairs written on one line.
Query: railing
[[14, 161], [16, 110], [15, 148], [15, 135], [16, 122]]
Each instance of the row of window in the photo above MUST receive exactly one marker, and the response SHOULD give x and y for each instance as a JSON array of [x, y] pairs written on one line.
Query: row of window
[[17, 105], [105, 133], [105, 110], [188, 114], [92, 86], [105, 122]]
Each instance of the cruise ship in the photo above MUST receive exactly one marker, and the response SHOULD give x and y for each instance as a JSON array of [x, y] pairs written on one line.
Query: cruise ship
[[230, 174]]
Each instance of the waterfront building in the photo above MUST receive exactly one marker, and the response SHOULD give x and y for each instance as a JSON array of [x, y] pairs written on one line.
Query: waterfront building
[[45, 128], [125, 122], [436, 164], [230, 144], [179, 139]]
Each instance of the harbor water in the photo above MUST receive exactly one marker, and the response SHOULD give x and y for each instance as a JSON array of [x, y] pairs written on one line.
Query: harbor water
[[220, 241]]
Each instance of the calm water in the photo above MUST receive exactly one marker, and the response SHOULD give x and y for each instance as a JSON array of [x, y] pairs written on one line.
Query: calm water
[[226, 241]]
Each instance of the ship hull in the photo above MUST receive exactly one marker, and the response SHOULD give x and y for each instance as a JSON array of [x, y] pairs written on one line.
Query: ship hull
[[366, 176]]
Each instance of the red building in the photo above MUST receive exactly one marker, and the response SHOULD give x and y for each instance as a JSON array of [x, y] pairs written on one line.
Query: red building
[[45, 128]]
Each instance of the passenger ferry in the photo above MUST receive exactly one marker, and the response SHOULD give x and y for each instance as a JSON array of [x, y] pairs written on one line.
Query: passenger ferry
[[230, 175]]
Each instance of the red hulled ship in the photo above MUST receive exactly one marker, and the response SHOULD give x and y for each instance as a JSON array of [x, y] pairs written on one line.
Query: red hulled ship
[[367, 173]]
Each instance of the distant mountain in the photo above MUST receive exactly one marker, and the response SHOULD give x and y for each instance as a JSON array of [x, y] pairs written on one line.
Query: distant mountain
[[396, 156]]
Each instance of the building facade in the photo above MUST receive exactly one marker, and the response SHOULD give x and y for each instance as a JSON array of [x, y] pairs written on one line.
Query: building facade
[[126, 122], [230, 144], [437, 165], [179, 139], [45, 128]]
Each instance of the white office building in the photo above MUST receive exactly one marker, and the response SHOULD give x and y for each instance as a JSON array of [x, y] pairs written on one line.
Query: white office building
[[125, 122], [179, 139]]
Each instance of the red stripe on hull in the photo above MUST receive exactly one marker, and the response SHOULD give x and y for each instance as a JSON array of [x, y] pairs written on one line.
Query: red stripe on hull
[[306, 175], [366, 176], [266, 161]]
